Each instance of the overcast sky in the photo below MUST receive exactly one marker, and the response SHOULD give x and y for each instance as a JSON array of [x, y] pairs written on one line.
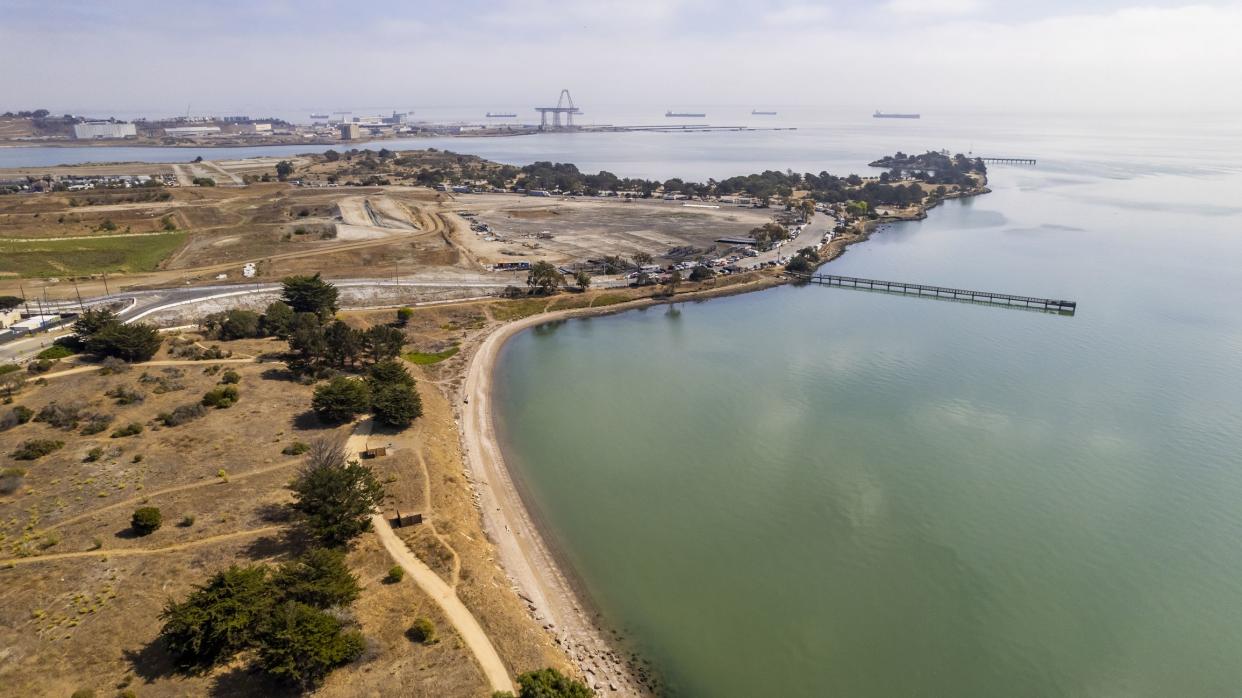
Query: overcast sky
[[1051, 55]]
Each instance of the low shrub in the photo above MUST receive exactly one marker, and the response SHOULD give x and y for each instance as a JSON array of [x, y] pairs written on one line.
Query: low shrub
[[11, 479], [54, 352], [24, 414], [146, 520], [9, 368], [96, 424], [94, 454], [230, 378], [36, 448], [186, 521], [221, 398], [131, 429], [396, 574], [296, 448], [182, 414], [60, 416], [125, 396], [112, 365], [422, 630], [40, 366]]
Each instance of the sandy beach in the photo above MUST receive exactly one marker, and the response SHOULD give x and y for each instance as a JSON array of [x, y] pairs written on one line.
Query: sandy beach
[[548, 592]]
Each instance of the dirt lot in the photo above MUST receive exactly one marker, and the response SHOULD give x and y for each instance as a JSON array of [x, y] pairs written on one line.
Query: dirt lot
[[587, 228]]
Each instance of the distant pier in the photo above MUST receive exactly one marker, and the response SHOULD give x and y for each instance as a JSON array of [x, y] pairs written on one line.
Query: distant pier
[[1011, 161], [989, 297]]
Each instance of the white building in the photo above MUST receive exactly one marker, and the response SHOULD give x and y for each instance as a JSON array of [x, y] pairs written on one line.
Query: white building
[[103, 129], [8, 318], [256, 128], [185, 131]]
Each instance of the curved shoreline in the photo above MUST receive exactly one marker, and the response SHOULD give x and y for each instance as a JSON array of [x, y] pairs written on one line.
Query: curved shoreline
[[551, 595]]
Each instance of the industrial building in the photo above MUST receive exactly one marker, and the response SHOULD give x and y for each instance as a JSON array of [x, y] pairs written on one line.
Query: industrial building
[[104, 129], [186, 131], [350, 132], [256, 128]]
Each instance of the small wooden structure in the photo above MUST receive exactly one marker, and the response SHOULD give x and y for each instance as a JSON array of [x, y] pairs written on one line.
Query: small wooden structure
[[376, 452], [407, 520]]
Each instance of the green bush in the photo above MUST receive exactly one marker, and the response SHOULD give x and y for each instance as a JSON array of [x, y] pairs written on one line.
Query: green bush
[[221, 397], [54, 352], [396, 574], [94, 454], [182, 414], [136, 342], [301, 645], [550, 683], [35, 449], [404, 315], [186, 521], [131, 429], [423, 631], [230, 378], [23, 413], [9, 368], [296, 448], [146, 520], [320, 578], [396, 405]]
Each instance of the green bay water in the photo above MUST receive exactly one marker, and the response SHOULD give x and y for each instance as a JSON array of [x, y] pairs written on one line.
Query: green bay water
[[825, 492]]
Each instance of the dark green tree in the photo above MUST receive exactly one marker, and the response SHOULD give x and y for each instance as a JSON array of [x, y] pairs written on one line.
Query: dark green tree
[[278, 320], [135, 342], [301, 645], [318, 578], [10, 302], [543, 277], [218, 619], [310, 294], [343, 344], [334, 496], [341, 399], [92, 321], [382, 342], [284, 168], [388, 372], [396, 405]]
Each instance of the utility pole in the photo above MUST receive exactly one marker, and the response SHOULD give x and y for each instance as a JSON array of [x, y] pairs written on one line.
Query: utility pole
[[106, 291], [24, 298], [81, 306]]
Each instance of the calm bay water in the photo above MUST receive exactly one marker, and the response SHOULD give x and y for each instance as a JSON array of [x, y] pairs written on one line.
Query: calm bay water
[[813, 491]]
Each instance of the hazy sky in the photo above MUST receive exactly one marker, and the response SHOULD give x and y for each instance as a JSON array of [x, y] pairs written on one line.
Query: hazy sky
[[1053, 55]]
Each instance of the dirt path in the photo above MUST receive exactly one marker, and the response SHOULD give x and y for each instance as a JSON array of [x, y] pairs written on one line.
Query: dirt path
[[168, 490], [164, 362], [429, 582], [129, 552]]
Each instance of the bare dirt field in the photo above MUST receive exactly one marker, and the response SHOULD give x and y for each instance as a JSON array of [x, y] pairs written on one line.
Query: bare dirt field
[[589, 228]]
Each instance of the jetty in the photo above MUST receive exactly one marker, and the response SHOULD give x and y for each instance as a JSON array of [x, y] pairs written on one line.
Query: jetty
[[1011, 161], [987, 297]]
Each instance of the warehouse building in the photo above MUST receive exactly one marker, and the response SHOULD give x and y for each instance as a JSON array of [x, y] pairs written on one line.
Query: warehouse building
[[103, 129]]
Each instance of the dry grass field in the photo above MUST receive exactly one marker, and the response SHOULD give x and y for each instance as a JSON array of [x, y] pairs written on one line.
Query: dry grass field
[[80, 604]]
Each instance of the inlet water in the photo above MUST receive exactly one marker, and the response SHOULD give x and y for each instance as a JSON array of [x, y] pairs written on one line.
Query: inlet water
[[812, 491]]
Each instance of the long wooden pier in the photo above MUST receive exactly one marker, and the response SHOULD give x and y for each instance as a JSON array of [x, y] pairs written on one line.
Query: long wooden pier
[[1049, 304], [1012, 161]]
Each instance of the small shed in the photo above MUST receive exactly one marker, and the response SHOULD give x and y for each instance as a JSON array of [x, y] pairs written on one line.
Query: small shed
[[375, 452]]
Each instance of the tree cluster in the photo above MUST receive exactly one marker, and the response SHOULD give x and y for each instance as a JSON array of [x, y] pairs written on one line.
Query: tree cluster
[[768, 234], [388, 392], [280, 614], [101, 333]]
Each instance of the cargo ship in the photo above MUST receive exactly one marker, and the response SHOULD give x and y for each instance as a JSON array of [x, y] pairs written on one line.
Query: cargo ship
[[684, 114], [756, 112], [500, 115], [881, 115]]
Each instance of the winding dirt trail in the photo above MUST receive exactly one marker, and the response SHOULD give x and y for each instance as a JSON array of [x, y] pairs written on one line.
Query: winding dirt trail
[[430, 583], [130, 552]]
